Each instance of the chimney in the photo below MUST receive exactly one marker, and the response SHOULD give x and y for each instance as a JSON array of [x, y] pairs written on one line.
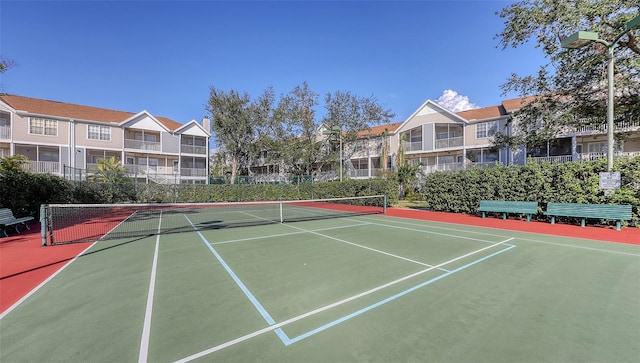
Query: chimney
[[206, 123]]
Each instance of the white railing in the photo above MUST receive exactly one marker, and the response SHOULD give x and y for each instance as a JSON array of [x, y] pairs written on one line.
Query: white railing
[[5, 132], [193, 149], [193, 172], [141, 145], [551, 159], [412, 146], [449, 142], [580, 157], [40, 167]]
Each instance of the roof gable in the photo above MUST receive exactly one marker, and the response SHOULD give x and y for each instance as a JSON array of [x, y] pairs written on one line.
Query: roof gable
[[193, 128]]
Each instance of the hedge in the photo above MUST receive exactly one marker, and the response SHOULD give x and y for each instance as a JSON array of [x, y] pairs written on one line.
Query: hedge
[[572, 182]]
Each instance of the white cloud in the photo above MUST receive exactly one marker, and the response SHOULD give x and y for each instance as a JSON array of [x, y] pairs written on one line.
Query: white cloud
[[455, 102]]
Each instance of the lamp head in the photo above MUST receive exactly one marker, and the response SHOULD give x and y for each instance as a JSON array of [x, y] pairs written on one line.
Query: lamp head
[[579, 39]]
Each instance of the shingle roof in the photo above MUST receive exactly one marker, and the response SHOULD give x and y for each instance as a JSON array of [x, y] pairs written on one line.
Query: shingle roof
[[482, 113], [515, 104], [378, 130], [70, 110]]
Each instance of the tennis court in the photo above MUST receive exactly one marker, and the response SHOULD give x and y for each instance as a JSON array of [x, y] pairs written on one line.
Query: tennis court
[[329, 284]]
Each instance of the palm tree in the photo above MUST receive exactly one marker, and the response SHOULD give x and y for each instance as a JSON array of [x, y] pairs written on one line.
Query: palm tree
[[13, 163], [109, 171]]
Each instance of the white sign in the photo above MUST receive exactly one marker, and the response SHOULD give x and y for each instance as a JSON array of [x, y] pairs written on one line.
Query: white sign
[[610, 180]]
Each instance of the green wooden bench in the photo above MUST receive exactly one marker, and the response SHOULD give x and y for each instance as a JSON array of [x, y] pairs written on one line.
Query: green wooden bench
[[504, 207], [7, 219], [584, 211]]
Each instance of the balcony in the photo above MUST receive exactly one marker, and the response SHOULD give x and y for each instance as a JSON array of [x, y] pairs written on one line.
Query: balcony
[[594, 126], [5, 132], [193, 172], [363, 173], [579, 157], [42, 167], [141, 145], [412, 145], [449, 142], [193, 149]]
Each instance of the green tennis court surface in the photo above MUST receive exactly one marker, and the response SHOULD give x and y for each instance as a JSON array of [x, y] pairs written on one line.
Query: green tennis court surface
[[354, 288]]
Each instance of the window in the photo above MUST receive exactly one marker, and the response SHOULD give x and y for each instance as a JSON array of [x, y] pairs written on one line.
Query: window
[[41, 126], [98, 132], [486, 129], [597, 147]]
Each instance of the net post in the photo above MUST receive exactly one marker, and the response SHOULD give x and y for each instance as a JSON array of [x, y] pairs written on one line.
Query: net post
[[43, 224], [281, 214], [384, 207]]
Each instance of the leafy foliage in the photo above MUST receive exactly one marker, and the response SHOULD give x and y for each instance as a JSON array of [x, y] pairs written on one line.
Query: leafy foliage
[[13, 162], [574, 182], [573, 85]]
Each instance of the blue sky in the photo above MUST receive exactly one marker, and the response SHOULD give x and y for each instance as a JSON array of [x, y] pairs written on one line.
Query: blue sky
[[163, 56]]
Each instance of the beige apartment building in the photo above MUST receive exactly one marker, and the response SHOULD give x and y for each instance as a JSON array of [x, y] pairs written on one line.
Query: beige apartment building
[[68, 140], [442, 140]]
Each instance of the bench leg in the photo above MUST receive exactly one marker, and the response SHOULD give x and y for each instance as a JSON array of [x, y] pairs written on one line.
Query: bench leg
[[553, 219], [582, 224], [504, 216], [26, 225], [618, 225], [16, 228], [484, 214], [3, 232], [528, 217]]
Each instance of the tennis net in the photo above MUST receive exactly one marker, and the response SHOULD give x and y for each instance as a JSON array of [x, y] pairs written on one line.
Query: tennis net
[[72, 223]]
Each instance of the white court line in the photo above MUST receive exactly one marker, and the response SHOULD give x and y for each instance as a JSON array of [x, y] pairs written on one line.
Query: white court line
[[361, 246], [35, 289], [397, 220], [327, 307], [285, 234], [146, 328], [431, 232]]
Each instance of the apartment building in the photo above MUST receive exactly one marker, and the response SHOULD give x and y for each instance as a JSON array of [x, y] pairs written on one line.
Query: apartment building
[[68, 140], [442, 140]]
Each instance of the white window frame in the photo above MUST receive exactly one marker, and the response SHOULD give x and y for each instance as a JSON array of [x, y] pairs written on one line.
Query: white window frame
[[43, 126], [99, 132], [486, 129]]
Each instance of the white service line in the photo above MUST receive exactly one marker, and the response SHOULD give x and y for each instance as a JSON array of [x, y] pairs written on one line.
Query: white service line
[[327, 307], [361, 246], [286, 234]]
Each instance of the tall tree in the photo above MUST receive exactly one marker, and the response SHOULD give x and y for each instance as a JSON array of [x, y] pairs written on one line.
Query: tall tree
[[297, 144], [239, 124], [573, 84]]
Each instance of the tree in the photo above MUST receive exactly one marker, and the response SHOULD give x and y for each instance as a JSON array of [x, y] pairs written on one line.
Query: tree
[[13, 163], [297, 145], [240, 125], [304, 150], [109, 171], [572, 86]]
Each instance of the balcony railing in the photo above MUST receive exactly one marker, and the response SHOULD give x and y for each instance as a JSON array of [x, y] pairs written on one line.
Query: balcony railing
[[141, 145], [5, 132], [579, 157], [41, 167], [363, 173], [193, 172], [412, 145], [193, 149], [449, 142]]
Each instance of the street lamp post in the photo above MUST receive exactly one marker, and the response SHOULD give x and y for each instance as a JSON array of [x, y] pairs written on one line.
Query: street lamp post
[[582, 38]]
